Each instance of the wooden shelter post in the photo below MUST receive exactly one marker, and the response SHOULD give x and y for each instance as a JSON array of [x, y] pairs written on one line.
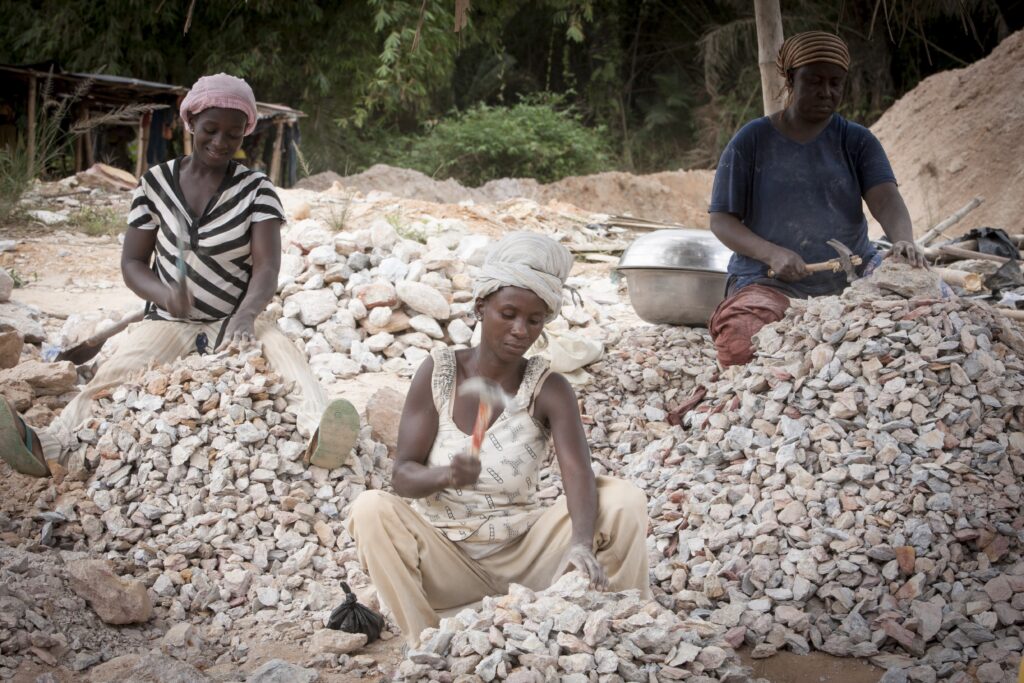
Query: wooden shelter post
[[31, 147], [275, 160], [768, 18], [140, 146], [90, 153]]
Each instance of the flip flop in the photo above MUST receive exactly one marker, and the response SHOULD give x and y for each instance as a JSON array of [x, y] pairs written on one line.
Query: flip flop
[[337, 436], [13, 450]]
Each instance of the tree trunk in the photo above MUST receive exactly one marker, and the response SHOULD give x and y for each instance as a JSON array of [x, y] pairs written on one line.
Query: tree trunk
[[768, 18]]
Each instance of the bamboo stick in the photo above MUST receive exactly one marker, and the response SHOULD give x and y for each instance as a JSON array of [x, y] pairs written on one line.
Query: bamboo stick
[[31, 125], [969, 282], [955, 218]]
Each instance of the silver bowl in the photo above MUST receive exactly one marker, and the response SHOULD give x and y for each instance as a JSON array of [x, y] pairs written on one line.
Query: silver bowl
[[676, 277]]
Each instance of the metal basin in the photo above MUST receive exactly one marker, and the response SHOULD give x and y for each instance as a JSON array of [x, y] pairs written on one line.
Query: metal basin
[[676, 277]]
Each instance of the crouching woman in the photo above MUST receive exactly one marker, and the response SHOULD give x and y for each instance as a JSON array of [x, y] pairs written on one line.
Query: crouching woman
[[475, 525]]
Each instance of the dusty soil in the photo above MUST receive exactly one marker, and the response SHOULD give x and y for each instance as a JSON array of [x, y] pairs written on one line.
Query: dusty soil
[[672, 196], [958, 135]]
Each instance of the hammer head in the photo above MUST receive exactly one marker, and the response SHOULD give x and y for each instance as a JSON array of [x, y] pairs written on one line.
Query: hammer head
[[490, 393], [845, 259]]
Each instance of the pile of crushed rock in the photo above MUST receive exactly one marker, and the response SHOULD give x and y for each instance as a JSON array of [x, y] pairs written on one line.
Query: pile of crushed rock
[[854, 489], [571, 634]]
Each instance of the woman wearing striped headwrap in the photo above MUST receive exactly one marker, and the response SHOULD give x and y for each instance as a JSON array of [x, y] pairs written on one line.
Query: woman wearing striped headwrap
[[789, 182]]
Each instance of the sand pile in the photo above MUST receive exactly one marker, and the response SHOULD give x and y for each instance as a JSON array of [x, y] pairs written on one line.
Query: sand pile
[[674, 196], [958, 135]]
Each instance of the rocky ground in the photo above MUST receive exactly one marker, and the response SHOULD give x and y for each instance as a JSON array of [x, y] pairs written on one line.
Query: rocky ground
[[852, 492]]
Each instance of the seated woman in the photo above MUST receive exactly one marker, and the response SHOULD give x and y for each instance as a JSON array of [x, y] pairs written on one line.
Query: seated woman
[[475, 525], [789, 182], [227, 220]]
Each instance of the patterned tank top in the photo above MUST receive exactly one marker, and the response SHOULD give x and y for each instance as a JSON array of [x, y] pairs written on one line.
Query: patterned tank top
[[503, 505]]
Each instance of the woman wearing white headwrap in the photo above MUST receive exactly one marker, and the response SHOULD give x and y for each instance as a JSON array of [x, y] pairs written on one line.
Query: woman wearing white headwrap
[[475, 523]]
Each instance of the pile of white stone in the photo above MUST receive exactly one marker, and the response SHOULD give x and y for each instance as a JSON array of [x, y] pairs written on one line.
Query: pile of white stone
[[372, 299], [195, 476], [854, 489], [571, 634]]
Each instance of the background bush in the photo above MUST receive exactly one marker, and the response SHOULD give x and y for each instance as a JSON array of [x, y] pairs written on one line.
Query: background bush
[[533, 139]]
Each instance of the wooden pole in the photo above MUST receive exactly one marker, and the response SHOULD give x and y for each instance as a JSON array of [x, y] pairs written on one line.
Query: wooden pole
[[275, 160], [90, 153], [968, 254], [140, 157], [768, 18], [79, 154], [31, 125], [186, 141]]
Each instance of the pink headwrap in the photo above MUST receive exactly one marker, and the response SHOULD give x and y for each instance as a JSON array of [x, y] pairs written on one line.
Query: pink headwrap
[[220, 90]]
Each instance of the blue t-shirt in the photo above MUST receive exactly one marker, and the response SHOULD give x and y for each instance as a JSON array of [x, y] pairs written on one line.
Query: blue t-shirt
[[799, 196]]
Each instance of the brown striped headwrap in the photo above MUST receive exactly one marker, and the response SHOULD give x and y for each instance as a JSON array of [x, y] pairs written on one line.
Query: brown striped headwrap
[[812, 46]]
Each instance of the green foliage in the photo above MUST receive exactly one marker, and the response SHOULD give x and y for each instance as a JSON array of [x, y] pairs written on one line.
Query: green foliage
[[532, 139], [97, 222], [14, 180], [660, 83]]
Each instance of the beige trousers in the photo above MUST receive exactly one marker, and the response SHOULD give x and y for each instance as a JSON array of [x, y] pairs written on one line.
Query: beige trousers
[[417, 570], [160, 342]]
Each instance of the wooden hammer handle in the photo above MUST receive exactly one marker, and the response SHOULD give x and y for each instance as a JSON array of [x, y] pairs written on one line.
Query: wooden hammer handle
[[833, 265]]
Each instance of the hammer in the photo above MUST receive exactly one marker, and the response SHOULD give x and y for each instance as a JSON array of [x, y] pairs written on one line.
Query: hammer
[[492, 399], [846, 261]]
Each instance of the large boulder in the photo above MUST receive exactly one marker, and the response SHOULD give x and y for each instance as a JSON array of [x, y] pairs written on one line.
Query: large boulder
[[115, 599], [11, 343], [150, 667], [383, 413], [47, 379]]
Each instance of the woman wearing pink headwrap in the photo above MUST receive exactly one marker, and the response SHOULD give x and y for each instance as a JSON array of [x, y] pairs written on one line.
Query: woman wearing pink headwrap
[[203, 249]]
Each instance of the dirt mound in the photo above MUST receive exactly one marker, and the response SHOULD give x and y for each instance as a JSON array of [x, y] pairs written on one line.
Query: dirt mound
[[318, 182], [676, 196], [957, 135]]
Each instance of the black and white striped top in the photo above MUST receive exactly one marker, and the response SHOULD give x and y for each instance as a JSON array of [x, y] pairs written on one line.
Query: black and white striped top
[[218, 253]]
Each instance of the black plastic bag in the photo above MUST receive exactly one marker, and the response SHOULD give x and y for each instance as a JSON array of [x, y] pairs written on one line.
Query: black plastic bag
[[1009, 276], [353, 617], [992, 241]]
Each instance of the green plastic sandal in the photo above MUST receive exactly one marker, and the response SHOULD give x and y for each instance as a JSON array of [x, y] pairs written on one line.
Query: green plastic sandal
[[15, 452], [337, 436]]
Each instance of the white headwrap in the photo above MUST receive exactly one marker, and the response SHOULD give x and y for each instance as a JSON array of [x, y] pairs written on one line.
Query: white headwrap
[[530, 261]]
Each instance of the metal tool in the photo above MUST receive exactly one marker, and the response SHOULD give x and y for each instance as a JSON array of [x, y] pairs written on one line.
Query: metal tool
[[847, 261], [493, 399]]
